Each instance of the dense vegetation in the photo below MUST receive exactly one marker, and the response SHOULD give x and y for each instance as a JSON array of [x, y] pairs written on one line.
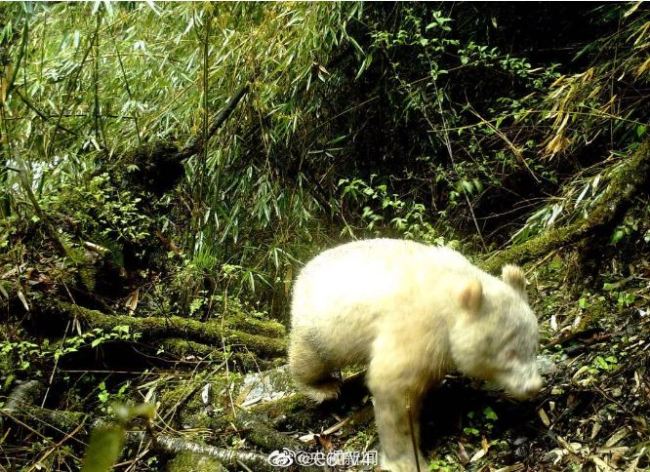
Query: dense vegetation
[[167, 168]]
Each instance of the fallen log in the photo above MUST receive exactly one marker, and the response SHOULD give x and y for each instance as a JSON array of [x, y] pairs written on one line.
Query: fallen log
[[192, 351], [213, 332]]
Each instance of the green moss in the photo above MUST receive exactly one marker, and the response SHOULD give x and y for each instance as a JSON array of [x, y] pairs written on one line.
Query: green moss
[[243, 321], [173, 397], [61, 420], [240, 360], [534, 248], [292, 405], [185, 402], [208, 332], [361, 440], [191, 462], [259, 432]]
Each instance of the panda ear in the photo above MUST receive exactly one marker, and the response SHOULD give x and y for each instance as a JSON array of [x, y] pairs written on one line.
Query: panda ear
[[514, 276], [470, 296]]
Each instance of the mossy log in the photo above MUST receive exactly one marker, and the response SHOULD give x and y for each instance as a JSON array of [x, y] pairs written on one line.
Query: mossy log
[[59, 421], [259, 432], [187, 461], [19, 408], [185, 348], [242, 321], [212, 332], [626, 182], [197, 455], [194, 456], [300, 412], [24, 394]]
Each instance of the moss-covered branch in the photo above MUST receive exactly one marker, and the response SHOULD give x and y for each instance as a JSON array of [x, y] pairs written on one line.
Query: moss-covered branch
[[212, 332], [627, 181], [190, 454], [240, 360], [60, 421]]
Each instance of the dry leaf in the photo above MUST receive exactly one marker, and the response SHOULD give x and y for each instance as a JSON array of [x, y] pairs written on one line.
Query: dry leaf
[[462, 454], [307, 438], [132, 302], [616, 437], [23, 299], [477, 455], [544, 417], [595, 428], [324, 441]]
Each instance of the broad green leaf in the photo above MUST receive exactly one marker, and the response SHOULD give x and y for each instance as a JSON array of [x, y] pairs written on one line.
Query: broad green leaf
[[104, 448]]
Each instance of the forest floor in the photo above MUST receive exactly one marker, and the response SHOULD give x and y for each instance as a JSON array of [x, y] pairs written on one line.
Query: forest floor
[[223, 397], [591, 415]]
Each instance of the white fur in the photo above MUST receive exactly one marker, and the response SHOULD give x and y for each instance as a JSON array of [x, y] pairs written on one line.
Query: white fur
[[412, 313]]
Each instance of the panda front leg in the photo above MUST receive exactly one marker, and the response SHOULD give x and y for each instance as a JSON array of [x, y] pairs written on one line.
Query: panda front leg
[[397, 395]]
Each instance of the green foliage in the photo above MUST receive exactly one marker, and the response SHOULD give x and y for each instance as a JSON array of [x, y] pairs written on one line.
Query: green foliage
[[98, 210], [582, 106], [381, 209], [606, 364], [101, 80], [440, 120], [104, 448], [431, 122], [480, 424], [627, 228], [26, 355], [623, 298], [107, 398], [419, 49], [489, 414], [444, 465], [20, 353], [471, 431]]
